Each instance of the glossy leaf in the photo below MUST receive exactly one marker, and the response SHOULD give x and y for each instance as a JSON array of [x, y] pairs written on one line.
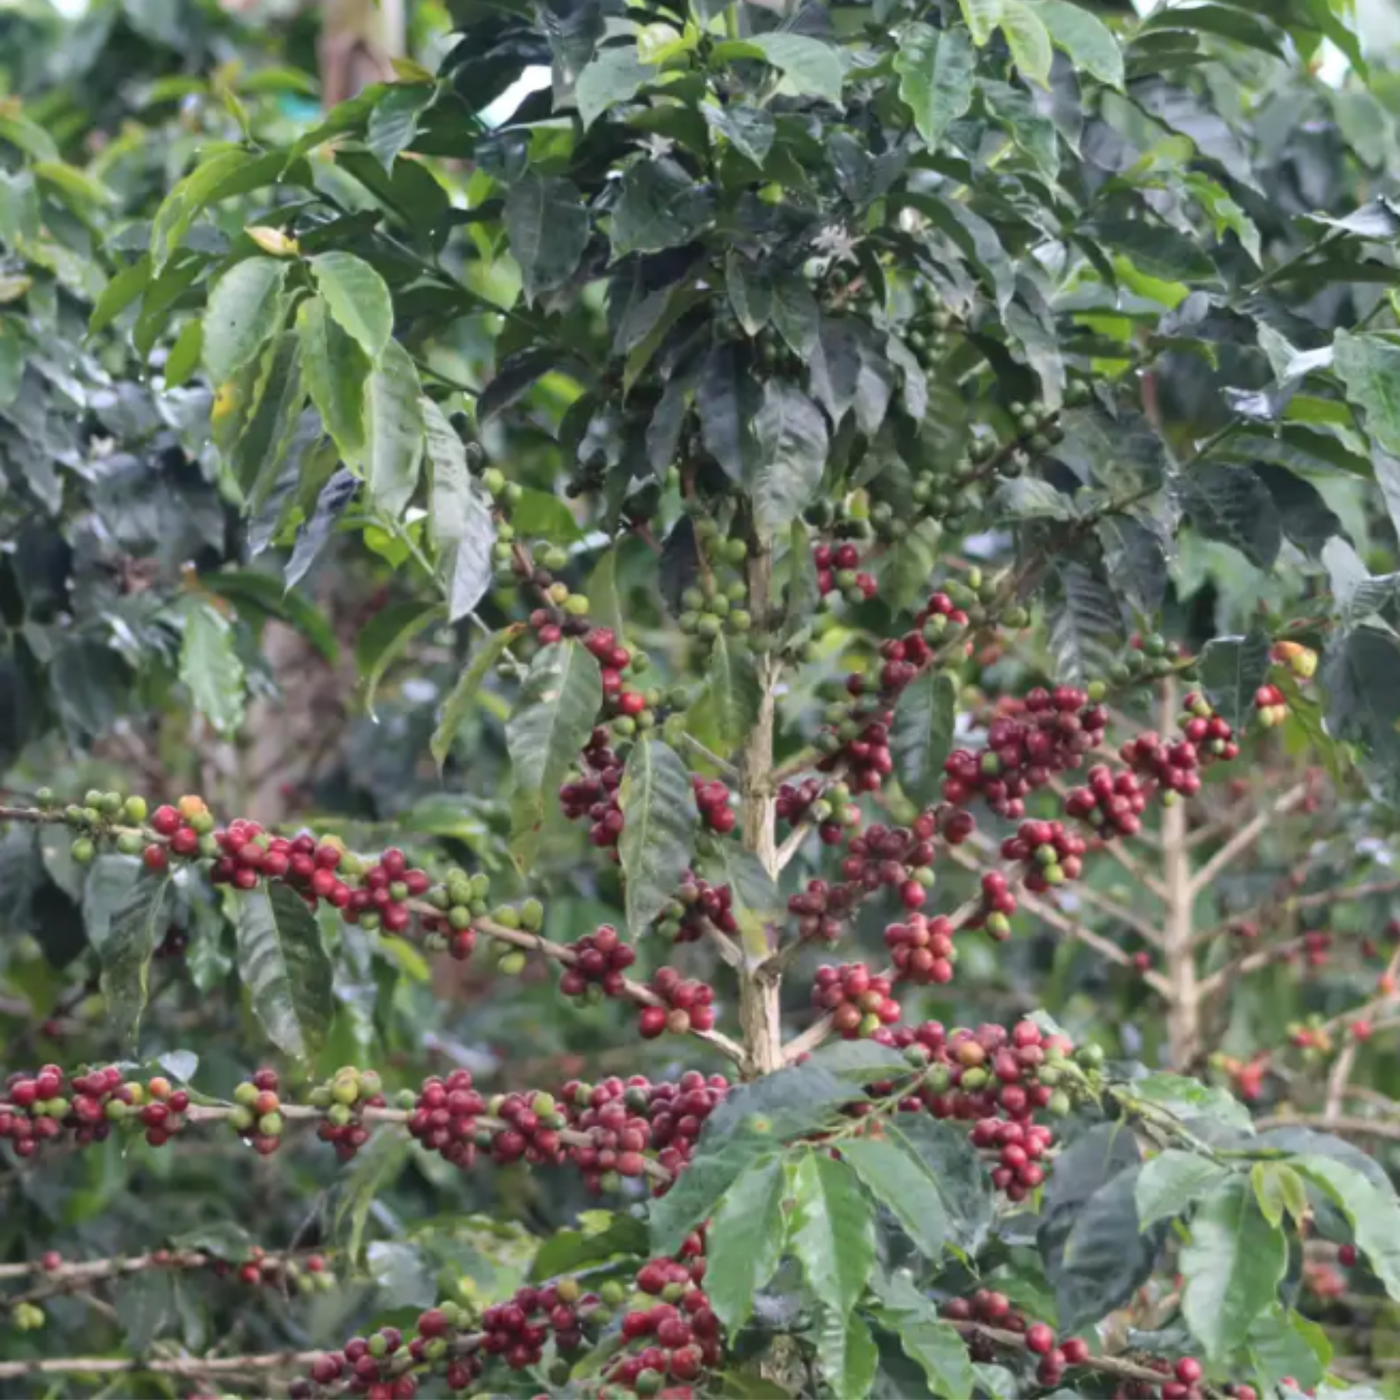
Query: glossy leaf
[[936, 77], [813, 68], [463, 695], [1232, 669], [846, 1353], [548, 230], [733, 694], [658, 838], [459, 517], [1171, 1182], [136, 927], [953, 1163], [337, 371], [981, 17], [903, 1184], [387, 635], [1231, 1267], [832, 1232], [921, 737], [1084, 37], [936, 1345], [356, 297], [211, 669], [393, 431], [744, 1243], [1371, 1209], [245, 311], [792, 440], [659, 207], [1028, 39]]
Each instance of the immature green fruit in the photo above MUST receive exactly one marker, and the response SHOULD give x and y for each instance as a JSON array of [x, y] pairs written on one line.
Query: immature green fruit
[[44, 797], [135, 809], [270, 1124], [576, 604], [493, 479], [338, 1115], [84, 851], [92, 798], [532, 915], [708, 625], [246, 1093], [240, 1119], [507, 916], [511, 964], [345, 1090]]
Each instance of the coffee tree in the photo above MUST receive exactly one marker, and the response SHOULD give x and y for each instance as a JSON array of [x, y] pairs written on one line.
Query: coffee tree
[[799, 464]]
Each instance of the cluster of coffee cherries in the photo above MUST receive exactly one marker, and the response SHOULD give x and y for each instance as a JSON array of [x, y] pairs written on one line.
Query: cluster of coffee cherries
[[708, 610], [922, 950], [1028, 743], [1048, 852], [1111, 803], [828, 804], [45, 1106], [1170, 766], [594, 793], [1246, 1076], [343, 1099], [1211, 736], [998, 904], [858, 1001], [518, 1329], [899, 858], [1270, 706], [697, 903], [282, 1272], [839, 571], [257, 1112], [678, 1111], [601, 960], [443, 1114], [381, 1366], [993, 1310], [712, 802], [630, 709], [676, 1339], [688, 1005]]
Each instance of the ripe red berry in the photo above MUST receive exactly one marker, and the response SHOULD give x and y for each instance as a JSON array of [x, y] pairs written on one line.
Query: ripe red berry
[[1346, 1255], [165, 820], [1040, 1339], [1188, 1370], [155, 858]]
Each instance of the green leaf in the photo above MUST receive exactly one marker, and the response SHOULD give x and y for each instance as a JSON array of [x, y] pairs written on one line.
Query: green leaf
[[1283, 1344], [337, 371], [1279, 1191], [729, 704], [386, 636], [1232, 669], [1370, 1208], [210, 668], [750, 130], [921, 737], [793, 443], [554, 715], [832, 1231], [265, 403], [658, 837], [744, 1243], [1028, 39], [1085, 38], [846, 1353], [901, 1182], [1191, 1101], [566, 1251], [795, 314], [812, 67], [936, 72], [284, 966], [615, 75], [1172, 1182], [1369, 366], [709, 1175], [548, 230], [659, 207], [185, 355], [459, 517], [244, 312], [750, 292], [357, 297], [1230, 504], [136, 927], [261, 595], [727, 400], [106, 889], [953, 1163], [458, 704], [981, 16], [119, 293], [1086, 627], [1231, 1267], [394, 121], [394, 431], [937, 1346]]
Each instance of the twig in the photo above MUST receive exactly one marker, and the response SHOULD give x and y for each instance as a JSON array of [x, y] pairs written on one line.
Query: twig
[[727, 769], [1247, 835], [1361, 1127], [1346, 1059], [170, 1366]]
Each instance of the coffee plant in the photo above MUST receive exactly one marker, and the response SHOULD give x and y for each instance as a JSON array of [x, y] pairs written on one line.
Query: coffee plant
[[704, 705]]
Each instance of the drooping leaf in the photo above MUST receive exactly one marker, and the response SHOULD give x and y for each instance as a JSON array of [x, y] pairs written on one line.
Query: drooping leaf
[[1230, 504], [211, 669], [936, 71], [1370, 1207], [384, 639], [750, 292], [1282, 1344], [394, 121], [393, 431], [795, 314], [1361, 675], [1086, 626], [357, 297], [458, 704], [659, 207], [136, 927], [813, 67], [1172, 1182], [1192, 1102], [1231, 1267], [1085, 38], [744, 1243], [832, 1232], [792, 439], [244, 312], [953, 1163], [284, 966], [710, 1174], [614, 75], [459, 516], [337, 371], [729, 704], [548, 230], [553, 717], [727, 400], [750, 130], [1028, 39], [1279, 1190], [658, 838], [936, 1345], [1232, 669], [847, 1354], [903, 1184], [981, 17], [921, 737]]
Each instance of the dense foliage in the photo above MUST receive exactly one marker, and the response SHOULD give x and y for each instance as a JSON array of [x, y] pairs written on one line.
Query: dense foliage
[[790, 657]]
